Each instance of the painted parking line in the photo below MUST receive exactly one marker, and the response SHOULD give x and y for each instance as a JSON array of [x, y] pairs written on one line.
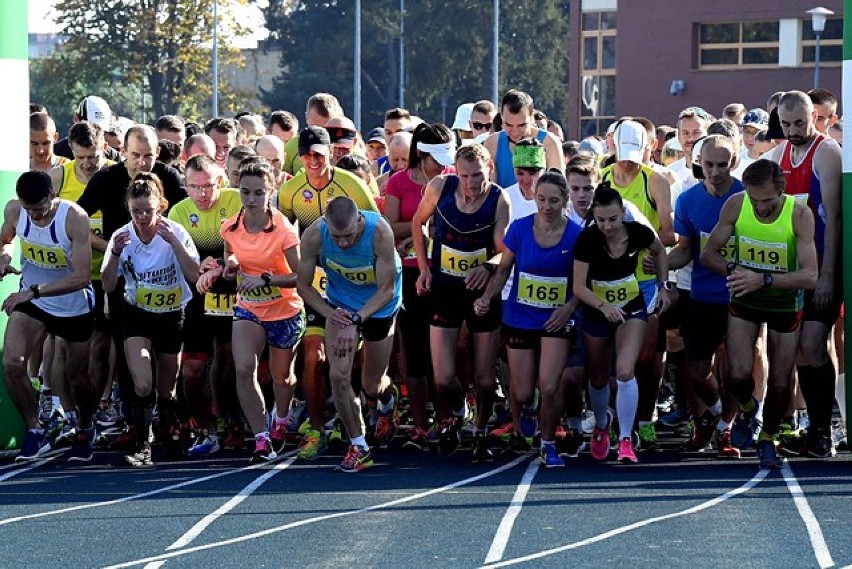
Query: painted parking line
[[640, 524], [814, 531], [308, 521]]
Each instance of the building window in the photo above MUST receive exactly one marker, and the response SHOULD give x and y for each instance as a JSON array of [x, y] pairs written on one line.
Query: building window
[[597, 93], [830, 42], [738, 44]]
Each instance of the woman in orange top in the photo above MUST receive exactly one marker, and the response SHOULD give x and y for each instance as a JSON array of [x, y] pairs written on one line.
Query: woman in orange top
[[261, 252]]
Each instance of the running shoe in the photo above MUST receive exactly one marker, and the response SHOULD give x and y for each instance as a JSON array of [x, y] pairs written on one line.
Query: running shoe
[[705, 426], [295, 417], [46, 409], [66, 434], [549, 457], [449, 435], [528, 421], [599, 445], [418, 440], [625, 451], [503, 432], [676, 418], [818, 443], [434, 431], [278, 435], [768, 457], [262, 450], [235, 437], [481, 451], [588, 423], [746, 428], [356, 460], [518, 444], [647, 439], [387, 423], [139, 459], [107, 417], [724, 448], [786, 429], [81, 448], [207, 443], [838, 436], [570, 443], [32, 448], [313, 444], [335, 438]]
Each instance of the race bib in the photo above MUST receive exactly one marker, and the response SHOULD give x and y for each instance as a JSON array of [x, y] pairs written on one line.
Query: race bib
[[763, 255], [801, 198], [728, 251], [363, 275], [44, 256], [459, 263], [541, 292], [219, 304], [320, 281], [158, 299], [97, 226], [617, 293], [266, 293]]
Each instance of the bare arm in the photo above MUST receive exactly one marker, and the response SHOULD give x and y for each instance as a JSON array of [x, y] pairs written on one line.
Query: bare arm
[[662, 196], [309, 250], [385, 271], [7, 234], [77, 227], [710, 256], [553, 153], [401, 229], [805, 277], [827, 164], [418, 223], [490, 145], [681, 254]]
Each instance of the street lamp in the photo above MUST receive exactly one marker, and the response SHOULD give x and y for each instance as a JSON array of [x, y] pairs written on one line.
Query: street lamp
[[818, 17]]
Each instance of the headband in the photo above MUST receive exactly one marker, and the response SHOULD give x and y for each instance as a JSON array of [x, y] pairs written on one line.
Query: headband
[[528, 157]]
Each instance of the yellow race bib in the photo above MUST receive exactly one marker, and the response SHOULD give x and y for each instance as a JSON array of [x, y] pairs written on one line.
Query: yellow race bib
[[541, 292], [96, 225], [158, 299], [365, 275], [44, 256], [729, 251], [617, 293], [459, 263], [266, 293], [320, 281], [763, 255], [219, 304]]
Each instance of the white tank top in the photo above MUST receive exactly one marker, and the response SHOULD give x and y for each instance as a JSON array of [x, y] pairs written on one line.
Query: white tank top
[[46, 258]]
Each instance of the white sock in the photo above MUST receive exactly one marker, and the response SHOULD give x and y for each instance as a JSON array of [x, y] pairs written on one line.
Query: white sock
[[716, 408], [361, 442], [626, 401], [723, 425], [600, 404]]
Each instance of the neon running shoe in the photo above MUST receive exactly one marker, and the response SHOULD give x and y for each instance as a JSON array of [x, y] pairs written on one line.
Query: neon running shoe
[[625, 451], [278, 435], [599, 445], [387, 423], [262, 450], [724, 448], [549, 457], [313, 444], [647, 439], [503, 432], [356, 460]]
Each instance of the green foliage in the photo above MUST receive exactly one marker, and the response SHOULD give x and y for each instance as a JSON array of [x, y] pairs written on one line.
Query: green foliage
[[448, 53], [161, 44]]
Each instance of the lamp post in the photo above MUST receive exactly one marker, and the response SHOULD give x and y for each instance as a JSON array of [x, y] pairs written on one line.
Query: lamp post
[[818, 17], [215, 58]]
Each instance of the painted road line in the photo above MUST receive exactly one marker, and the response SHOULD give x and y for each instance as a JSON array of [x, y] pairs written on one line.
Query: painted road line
[[140, 496], [504, 531], [618, 531], [198, 528], [308, 521], [814, 531], [31, 466]]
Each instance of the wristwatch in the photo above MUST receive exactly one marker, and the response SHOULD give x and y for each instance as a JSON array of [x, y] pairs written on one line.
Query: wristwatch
[[267, 278], [767, 280], [356, 319], [35, 291], [665, 285]]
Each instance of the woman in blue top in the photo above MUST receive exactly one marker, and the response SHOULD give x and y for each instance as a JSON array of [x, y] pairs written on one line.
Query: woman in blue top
[[536, 314]]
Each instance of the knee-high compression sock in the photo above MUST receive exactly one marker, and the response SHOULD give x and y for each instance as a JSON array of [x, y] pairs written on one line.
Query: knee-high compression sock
[[817, 385], [600, 404], [626, 400]]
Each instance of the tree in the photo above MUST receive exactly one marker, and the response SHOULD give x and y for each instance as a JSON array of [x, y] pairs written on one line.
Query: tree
[[447, 53], [161, 44]]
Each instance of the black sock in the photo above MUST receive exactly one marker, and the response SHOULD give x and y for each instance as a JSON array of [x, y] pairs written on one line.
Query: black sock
[[817, 385]]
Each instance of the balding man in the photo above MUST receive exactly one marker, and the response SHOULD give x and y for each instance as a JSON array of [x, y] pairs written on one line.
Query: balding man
[[198, 144], [364, 293], [272, 148], [396, 160], [812, 167]]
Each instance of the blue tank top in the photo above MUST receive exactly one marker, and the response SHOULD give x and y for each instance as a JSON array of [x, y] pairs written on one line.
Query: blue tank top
[[461, 241], [351, 272], [543, 277], [696, 214], [504, 171]]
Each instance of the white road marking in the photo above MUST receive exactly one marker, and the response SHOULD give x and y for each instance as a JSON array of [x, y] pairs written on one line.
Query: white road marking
[[618, 531], [814, 532], [29, 467], [202, 524], [155, 565], [313, 520], [163, 490], [504, 531]]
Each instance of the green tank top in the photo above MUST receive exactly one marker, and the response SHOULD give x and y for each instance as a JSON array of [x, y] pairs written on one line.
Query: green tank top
[[768, 248], [637, 192]]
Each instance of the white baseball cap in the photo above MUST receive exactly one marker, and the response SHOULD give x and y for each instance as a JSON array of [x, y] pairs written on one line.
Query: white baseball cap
[[97, 111], [630, 140], [462, 120]]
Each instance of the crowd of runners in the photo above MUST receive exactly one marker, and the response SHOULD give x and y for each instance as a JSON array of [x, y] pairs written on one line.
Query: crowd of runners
[[257, 283]]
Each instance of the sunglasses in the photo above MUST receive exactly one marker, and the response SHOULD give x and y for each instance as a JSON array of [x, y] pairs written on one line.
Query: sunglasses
[[480, 125]]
